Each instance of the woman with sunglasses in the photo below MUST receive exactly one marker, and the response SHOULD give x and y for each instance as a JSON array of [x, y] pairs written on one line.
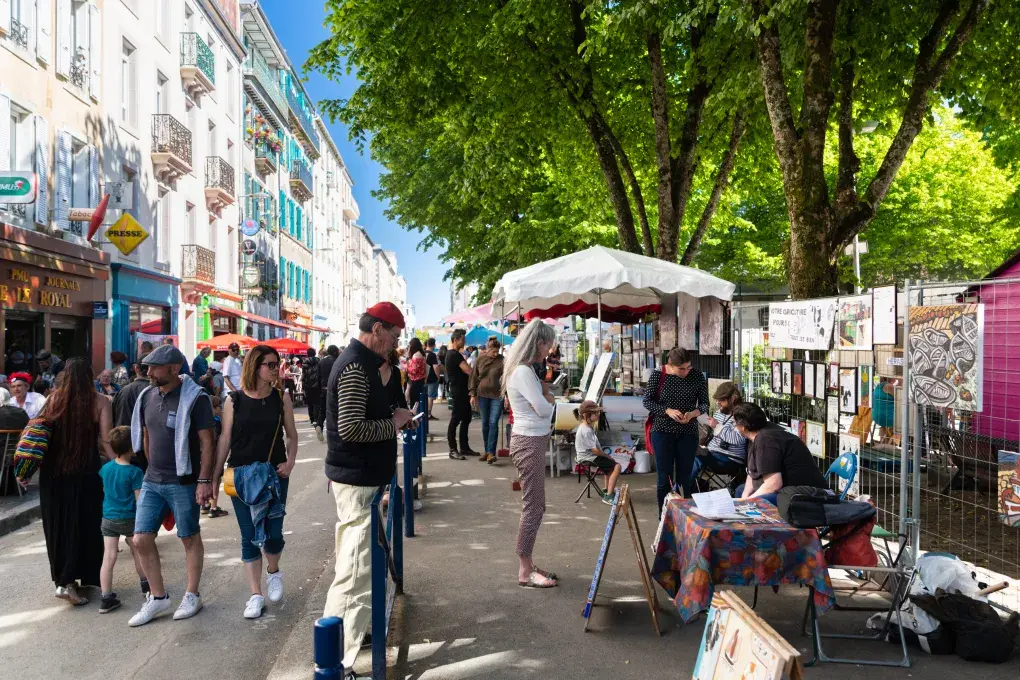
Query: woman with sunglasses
[[256, 421]]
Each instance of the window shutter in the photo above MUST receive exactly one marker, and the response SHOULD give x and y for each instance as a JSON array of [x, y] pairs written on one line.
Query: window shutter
[[93, 176], [43, 32], [5, 17], [283, 211], [62, 183], [42, 169], [5, 132], [64, 38], [95, 50], [81, 36]]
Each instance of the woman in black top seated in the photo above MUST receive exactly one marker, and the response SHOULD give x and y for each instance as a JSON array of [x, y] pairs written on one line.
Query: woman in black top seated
[[256, 421]]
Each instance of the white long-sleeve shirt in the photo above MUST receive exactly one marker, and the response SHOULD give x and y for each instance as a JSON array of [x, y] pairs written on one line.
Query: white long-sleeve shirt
[[532, 411]]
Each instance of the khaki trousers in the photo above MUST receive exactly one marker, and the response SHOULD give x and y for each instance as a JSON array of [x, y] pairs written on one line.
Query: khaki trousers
[[350, 595]]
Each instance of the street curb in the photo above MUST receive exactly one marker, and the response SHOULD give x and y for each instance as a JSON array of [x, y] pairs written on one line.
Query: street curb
[[19, 516]]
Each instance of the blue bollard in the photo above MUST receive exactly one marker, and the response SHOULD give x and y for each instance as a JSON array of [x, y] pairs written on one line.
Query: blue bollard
[[329, 648], [379, 574], [410, 462]]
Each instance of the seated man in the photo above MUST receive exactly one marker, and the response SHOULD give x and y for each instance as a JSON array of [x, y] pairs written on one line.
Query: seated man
[[726, 451], [775, 457]]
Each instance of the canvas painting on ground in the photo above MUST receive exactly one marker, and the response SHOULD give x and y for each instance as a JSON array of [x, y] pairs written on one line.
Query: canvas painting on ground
[[1009, 488], [848, 390], [832, 414], [854, 322], [816, 439], [946, 348]]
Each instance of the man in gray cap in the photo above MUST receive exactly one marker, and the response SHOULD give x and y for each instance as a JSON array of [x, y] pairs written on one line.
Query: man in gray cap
[[173, 423]]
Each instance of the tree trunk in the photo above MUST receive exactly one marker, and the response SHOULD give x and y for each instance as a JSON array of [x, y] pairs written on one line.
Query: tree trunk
[[615, 185], [811, 268]]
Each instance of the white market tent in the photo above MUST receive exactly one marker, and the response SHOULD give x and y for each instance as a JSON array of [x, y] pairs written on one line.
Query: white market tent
[[602, 279]]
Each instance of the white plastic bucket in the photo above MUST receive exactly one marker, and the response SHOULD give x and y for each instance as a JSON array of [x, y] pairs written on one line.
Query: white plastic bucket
[[642, 461]]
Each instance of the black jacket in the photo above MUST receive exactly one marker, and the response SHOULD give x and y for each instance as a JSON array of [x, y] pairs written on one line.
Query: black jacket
[[325, 368], [360, 463], [124, 401]]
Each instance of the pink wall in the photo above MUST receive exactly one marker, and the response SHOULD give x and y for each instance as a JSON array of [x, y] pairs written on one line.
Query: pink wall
[[1000, 414]]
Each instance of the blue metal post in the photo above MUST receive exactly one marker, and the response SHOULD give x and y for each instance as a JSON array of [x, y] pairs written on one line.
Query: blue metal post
[[329, 648], [410, 463], [396, 540], [379, 572]]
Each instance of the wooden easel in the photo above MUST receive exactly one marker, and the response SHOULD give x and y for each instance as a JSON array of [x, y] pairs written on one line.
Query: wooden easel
[[624, 507]]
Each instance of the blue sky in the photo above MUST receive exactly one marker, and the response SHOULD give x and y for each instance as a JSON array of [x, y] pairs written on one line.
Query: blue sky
[[298, 25]]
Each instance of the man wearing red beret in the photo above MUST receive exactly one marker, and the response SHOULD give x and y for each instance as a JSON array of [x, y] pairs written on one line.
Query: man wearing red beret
[[361, 456]]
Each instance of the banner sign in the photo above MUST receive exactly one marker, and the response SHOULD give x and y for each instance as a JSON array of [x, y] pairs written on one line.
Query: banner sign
[[17, 187], [802, 325]]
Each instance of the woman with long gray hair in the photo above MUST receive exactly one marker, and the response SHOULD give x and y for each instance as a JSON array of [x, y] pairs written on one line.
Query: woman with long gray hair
[[532, 405]]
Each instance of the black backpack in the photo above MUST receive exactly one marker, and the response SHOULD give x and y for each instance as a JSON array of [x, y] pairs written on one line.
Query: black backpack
[[310, 373]]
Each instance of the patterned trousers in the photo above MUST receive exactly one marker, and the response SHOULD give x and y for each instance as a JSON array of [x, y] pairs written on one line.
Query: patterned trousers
[[528, 454]]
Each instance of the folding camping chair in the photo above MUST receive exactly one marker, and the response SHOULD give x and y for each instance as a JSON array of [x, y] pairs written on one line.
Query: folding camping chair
[[591, 473], [718, 471]]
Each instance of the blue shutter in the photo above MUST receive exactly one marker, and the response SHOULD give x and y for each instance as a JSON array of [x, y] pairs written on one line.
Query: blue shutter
[[298, 221], [283, 276], [283, 213]]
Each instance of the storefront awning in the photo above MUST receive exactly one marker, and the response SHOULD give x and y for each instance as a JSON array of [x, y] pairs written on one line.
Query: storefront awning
[[254, 318], [309, 327]]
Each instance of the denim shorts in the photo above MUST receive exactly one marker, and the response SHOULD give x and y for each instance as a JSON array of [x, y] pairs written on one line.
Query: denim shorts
[[433, 390], [156, 499]]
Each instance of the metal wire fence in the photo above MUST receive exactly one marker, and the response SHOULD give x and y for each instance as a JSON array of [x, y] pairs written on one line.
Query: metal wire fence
[[942, 452]]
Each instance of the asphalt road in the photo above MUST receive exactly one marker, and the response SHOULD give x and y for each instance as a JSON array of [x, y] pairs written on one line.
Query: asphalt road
[[42, 637]]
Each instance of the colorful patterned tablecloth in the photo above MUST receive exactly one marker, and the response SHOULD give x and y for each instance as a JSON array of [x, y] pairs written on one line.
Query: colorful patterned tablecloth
[[694, 554]]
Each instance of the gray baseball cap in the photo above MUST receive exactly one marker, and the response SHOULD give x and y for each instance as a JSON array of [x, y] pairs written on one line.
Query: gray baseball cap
[[165, 355]]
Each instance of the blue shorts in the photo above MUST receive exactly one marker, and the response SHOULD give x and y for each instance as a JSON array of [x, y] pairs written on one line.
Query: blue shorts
[[433, 390], [156, 499]]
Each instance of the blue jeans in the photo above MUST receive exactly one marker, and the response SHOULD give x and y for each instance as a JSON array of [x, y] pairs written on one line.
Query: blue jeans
[[155, 500], [674, 459], [770, 497], [274, 528], [491, 410]]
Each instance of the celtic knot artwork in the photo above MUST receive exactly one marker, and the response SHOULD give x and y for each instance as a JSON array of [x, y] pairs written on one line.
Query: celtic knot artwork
[[946, 354]]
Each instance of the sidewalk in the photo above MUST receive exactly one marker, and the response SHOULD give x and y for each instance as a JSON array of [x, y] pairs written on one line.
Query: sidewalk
[[18, 511], [463, 615]]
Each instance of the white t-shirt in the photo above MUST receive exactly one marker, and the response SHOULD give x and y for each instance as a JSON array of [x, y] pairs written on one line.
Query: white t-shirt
[[586, 440], [34, 403], [532, 411], [232, 370]]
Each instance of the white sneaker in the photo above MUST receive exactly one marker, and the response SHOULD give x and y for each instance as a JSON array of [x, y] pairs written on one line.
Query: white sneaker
[[253, 610], [318, 433], [418, 505], [274, 586], [190, 605], [150, 610]]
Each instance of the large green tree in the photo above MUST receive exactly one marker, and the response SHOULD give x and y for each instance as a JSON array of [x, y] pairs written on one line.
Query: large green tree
[[828, 64]]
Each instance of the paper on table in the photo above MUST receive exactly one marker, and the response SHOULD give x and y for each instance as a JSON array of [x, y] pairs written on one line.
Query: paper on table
[[716, 504]]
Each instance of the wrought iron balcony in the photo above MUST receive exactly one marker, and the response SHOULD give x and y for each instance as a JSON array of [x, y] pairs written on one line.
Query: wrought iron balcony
[[79, 74], [219, 184], [18, 34], [301, 184], [302, 126], [171, 147], [198, 266], [265, 158], [198, 66], [262, 83]]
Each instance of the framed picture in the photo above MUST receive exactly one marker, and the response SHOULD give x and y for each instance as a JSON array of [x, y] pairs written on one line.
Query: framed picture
[[820, 377], [848, 390], [777, 378], [834, 377], [816, 439], [799, 428], [850, 444], [787, 378], [865, 373], [809, 379], [832, 414], [884, 323], [798, 377]]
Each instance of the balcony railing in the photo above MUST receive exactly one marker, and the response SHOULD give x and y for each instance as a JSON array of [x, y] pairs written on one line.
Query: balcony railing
[[194, 52], [256, 67], [305, 128], [198, 264], [265, 158], [171, 147], [219, 174], [79, 74], [301, 180], [19, 34]]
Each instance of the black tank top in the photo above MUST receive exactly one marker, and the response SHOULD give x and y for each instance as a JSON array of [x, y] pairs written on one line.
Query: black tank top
[[257, 429]]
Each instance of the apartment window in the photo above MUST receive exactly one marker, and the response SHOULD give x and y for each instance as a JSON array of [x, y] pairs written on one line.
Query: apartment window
[[163, 19], [192, 223], [161, 227], [21, 23], [19, 133], [80, 170], [162, 104], [211, 140], [128, 110], [231, 92]]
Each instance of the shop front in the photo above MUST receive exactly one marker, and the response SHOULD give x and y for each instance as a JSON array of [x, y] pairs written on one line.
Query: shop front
[[143, 305], [53, 297]]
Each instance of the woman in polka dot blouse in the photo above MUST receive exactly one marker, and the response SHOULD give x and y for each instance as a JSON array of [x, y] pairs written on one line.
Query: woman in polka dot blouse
[[675, 409]]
